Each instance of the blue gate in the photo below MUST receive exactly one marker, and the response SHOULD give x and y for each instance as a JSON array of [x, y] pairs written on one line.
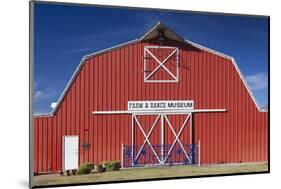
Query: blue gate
[[155, 155]]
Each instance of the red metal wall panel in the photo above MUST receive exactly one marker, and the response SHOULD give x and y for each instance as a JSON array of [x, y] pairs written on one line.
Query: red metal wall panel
[[54, 144], [108, 81], [35, 145]]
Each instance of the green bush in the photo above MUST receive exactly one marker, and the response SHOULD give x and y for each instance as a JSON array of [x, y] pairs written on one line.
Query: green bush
[[85, 168], [99, 168], [113, 166]]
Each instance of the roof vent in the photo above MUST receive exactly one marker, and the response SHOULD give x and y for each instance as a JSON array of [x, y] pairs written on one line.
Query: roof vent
[[161, 36], [53, 105]]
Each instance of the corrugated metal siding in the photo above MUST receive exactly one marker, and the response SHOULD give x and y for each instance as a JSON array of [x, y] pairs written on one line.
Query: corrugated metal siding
[[108, 81]]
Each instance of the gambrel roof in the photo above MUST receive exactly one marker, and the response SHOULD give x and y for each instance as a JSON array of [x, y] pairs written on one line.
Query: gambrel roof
[[152, 33]]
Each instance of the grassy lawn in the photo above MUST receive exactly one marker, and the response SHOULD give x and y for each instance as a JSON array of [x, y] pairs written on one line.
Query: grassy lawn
[[148, 173]]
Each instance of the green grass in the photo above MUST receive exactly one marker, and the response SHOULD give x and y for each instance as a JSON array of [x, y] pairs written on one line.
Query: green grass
[[148, 173]]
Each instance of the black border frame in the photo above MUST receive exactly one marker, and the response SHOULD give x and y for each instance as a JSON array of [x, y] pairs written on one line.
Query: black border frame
[[31, 81]]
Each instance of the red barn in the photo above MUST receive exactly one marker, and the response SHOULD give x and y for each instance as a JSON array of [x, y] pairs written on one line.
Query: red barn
[[159, 99]]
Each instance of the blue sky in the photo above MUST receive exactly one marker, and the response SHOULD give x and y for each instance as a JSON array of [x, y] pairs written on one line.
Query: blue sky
[[64, 33]]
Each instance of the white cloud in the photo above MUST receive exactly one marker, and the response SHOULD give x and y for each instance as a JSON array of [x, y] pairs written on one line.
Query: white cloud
[[258, 81], [38, 94], [44, 94]]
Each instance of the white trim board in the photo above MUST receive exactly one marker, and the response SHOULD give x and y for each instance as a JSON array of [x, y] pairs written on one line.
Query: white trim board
[[154, 112]]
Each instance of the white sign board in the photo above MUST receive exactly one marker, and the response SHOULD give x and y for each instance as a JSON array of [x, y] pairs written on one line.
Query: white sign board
[[160, 105]]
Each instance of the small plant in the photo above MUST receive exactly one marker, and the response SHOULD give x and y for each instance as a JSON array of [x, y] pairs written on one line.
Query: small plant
[[85, 168], [113, 166], [99, 168]]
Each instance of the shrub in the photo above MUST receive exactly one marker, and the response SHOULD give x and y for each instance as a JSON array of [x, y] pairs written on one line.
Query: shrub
[[113, 166], [99, 168], [85, 168]]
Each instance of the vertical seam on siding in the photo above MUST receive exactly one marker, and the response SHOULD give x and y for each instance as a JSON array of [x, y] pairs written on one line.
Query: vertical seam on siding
[[42, 143], [88, 110]]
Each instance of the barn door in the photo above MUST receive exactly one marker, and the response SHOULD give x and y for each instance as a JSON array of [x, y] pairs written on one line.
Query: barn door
[[70, 152], [178, 139], [147, 139], [160, 139]]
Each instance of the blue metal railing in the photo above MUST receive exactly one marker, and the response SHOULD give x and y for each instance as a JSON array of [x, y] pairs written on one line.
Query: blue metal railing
[[133, 157]]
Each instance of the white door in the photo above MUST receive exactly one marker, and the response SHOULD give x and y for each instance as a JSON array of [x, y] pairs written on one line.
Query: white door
[[71, 151]]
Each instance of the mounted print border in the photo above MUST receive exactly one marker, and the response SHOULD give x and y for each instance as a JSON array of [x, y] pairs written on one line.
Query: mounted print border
[[158, 103]]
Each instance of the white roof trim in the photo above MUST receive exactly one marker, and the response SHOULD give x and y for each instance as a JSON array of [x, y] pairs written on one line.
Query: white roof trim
[[110, 49], [170, 33], [135, 41], [153, 28], [77, 71], [208, 49], [82, 63], [247, 86], [68, 85], [43, 115], [236, 67]]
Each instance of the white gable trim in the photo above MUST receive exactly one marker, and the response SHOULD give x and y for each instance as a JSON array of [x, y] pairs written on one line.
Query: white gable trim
[[153, 28], [173, 35], [236, 67], [84, 58]]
